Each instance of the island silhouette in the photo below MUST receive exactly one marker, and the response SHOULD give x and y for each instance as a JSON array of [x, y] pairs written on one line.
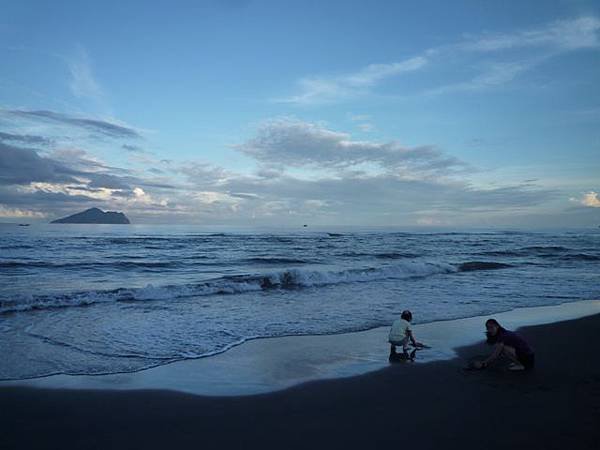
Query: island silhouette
[[96, 215]]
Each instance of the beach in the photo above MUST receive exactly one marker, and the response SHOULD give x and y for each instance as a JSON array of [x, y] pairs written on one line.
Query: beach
[[154, 337], [245, 225], [424, 405]]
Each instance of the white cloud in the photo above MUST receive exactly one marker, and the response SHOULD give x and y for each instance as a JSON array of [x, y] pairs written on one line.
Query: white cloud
[[430, 221], [543, 43], [141, 198], [590, 199], [315, 203], [83, 83], [365, 127], [373, 73], [495, 74], [359, 117], [363, 122], [322, 89], [528, 49], [570, 34], [18, 213], [210, 197]]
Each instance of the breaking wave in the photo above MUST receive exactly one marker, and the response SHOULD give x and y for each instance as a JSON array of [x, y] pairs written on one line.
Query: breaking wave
[[294, 278]]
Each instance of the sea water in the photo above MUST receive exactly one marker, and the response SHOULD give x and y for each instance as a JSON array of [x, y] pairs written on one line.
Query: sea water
[[98, 299]]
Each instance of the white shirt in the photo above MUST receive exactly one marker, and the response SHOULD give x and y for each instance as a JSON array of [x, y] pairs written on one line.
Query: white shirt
[[399, 330]]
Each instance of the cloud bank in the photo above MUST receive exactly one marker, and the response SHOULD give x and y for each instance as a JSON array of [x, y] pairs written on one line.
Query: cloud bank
[[303, 171], [289, 142]]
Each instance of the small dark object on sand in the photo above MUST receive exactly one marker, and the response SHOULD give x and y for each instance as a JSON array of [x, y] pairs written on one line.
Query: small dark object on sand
[[473, 365]]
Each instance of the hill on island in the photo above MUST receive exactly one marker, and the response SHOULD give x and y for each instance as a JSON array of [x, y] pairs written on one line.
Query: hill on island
[[95, 215]]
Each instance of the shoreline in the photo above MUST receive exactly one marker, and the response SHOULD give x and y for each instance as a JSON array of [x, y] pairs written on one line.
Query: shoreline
[[265, 365], [426, 406]]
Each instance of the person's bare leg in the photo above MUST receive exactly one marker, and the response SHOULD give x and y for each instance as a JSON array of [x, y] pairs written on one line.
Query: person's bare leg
[[405, 346], [511, 354]]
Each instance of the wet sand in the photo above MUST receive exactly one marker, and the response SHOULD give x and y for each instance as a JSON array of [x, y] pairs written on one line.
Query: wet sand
[[428, 405]]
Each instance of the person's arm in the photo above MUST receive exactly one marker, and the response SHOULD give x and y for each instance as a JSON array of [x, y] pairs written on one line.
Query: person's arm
[[412, 338], [497, 351]]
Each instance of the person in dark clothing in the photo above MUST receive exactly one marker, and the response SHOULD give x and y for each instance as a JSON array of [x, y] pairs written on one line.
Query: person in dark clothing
[[509, 344]]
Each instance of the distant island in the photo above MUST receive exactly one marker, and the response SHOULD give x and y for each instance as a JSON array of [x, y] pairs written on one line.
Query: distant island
[[95, 215]]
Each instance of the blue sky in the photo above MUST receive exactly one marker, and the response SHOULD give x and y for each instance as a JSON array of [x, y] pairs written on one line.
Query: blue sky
[[254, 112]]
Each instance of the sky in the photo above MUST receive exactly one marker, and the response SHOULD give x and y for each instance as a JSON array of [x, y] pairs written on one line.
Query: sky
[[280, 113]]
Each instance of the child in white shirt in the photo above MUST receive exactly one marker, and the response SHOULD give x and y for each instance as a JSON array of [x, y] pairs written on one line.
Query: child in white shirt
[[401, 334]]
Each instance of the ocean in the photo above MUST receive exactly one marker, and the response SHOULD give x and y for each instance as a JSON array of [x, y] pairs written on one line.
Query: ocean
[[99, 299]]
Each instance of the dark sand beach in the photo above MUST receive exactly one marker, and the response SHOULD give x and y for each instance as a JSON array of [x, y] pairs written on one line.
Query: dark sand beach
[[429, 405]]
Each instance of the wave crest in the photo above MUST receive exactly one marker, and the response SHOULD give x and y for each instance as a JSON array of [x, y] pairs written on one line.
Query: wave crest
[[295, 278]]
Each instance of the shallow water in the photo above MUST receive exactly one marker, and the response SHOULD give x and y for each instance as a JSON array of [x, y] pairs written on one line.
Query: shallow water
[[271, 364]]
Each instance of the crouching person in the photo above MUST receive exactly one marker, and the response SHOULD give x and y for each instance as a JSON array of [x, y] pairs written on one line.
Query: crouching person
[[401, 335], [508, 344]]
